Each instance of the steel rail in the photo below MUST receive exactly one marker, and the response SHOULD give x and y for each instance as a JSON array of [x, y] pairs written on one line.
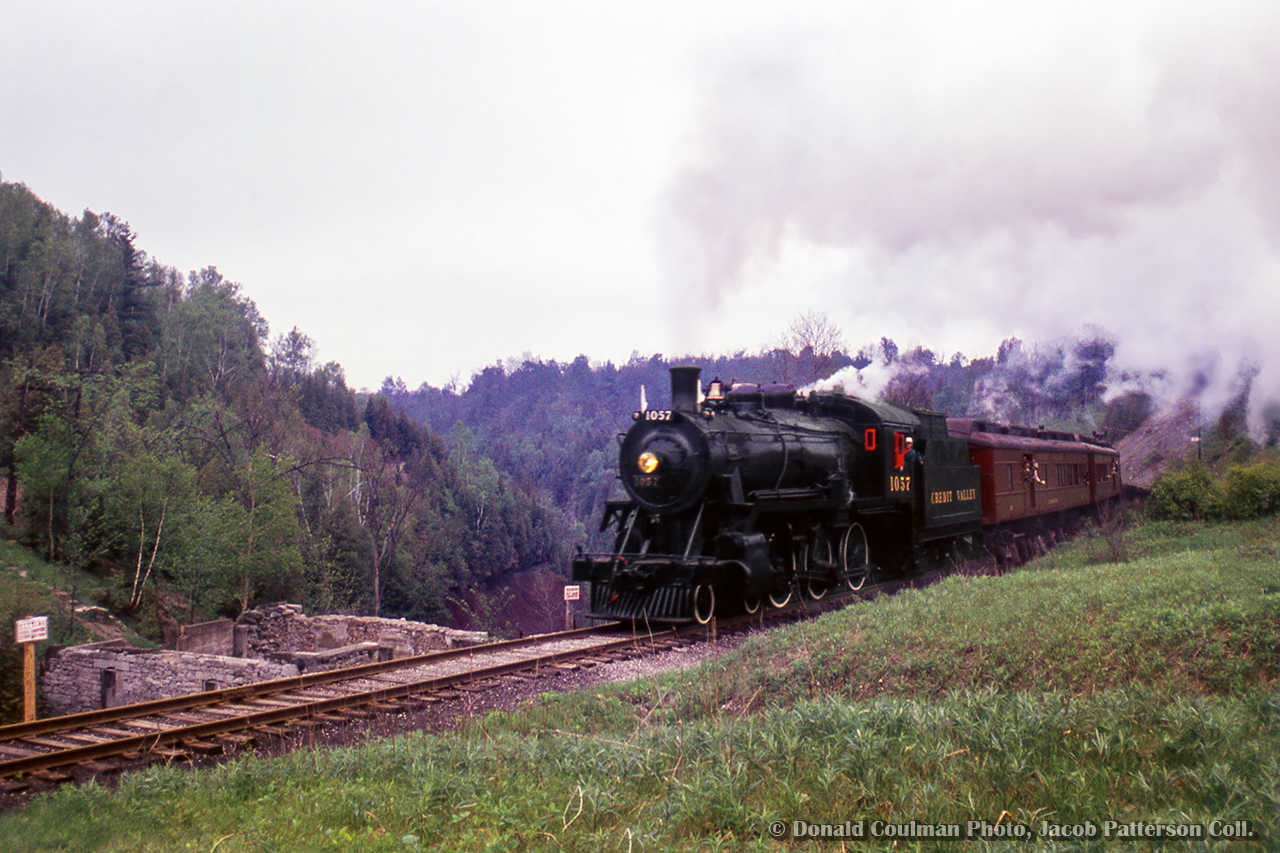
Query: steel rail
[[287, 705], [178, 735], [85, 719]]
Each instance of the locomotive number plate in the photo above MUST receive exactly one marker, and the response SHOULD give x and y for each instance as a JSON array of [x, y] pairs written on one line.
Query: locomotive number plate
[[900, 483], [647, 481], [652, 415]]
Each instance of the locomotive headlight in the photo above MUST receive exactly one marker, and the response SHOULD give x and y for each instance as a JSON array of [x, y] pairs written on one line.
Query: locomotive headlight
[[648, 462]]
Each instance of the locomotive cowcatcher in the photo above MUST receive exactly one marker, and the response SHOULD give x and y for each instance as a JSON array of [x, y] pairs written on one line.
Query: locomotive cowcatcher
[[752, 494]]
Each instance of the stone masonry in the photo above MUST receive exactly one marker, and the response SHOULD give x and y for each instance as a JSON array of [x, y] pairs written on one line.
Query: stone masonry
[[104, 675], [269, 642], [283, 630]]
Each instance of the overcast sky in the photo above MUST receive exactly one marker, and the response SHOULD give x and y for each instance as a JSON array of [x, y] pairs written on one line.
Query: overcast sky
[[427, 187]]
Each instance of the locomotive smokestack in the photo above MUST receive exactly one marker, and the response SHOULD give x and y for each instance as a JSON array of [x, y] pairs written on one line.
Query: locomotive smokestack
[[684, 388]]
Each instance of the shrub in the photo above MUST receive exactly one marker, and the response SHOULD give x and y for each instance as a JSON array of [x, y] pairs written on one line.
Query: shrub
[[1185, 495], [1251, 492]]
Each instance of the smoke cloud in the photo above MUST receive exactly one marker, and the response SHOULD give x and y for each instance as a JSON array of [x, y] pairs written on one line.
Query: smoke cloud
[[977, 172]]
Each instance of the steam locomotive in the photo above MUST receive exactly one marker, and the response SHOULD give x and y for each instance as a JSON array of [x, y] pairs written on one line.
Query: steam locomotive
[[748, 495]]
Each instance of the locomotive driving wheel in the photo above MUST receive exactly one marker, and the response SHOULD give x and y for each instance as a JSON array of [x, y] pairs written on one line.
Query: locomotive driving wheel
[[820, 558], [786, 554], [704, 604], [780, 595], [855, 566], [782, 591]]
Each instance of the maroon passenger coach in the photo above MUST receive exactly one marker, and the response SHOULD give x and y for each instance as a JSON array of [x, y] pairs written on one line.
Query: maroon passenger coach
[[1029, 472]]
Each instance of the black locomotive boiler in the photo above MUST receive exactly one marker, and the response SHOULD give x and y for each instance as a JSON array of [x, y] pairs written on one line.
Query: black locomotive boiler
[[753, 494]]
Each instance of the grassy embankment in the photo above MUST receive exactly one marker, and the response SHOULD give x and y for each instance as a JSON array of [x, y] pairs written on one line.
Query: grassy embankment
[[27, 585], [1070, 692]]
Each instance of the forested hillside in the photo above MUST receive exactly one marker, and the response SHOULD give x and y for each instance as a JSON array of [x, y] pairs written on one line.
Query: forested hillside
[[151, 432]]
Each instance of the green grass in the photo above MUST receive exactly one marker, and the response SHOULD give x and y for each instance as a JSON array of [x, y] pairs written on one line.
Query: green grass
[[1201, 616], [24, 592], [27, 581], [25, 578], [1068, 692], [27, 588], [712, 784]]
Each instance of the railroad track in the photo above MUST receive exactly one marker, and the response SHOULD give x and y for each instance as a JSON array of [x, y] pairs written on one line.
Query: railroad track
[[220, 721], [208, 723]]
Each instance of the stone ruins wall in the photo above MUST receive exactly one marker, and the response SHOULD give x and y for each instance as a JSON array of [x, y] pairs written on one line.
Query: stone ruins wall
[[270, 642], [104, 675], [276, 630], [208, 638]]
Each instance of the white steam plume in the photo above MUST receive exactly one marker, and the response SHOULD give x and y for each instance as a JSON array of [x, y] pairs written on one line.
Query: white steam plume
[[1015, 168]]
